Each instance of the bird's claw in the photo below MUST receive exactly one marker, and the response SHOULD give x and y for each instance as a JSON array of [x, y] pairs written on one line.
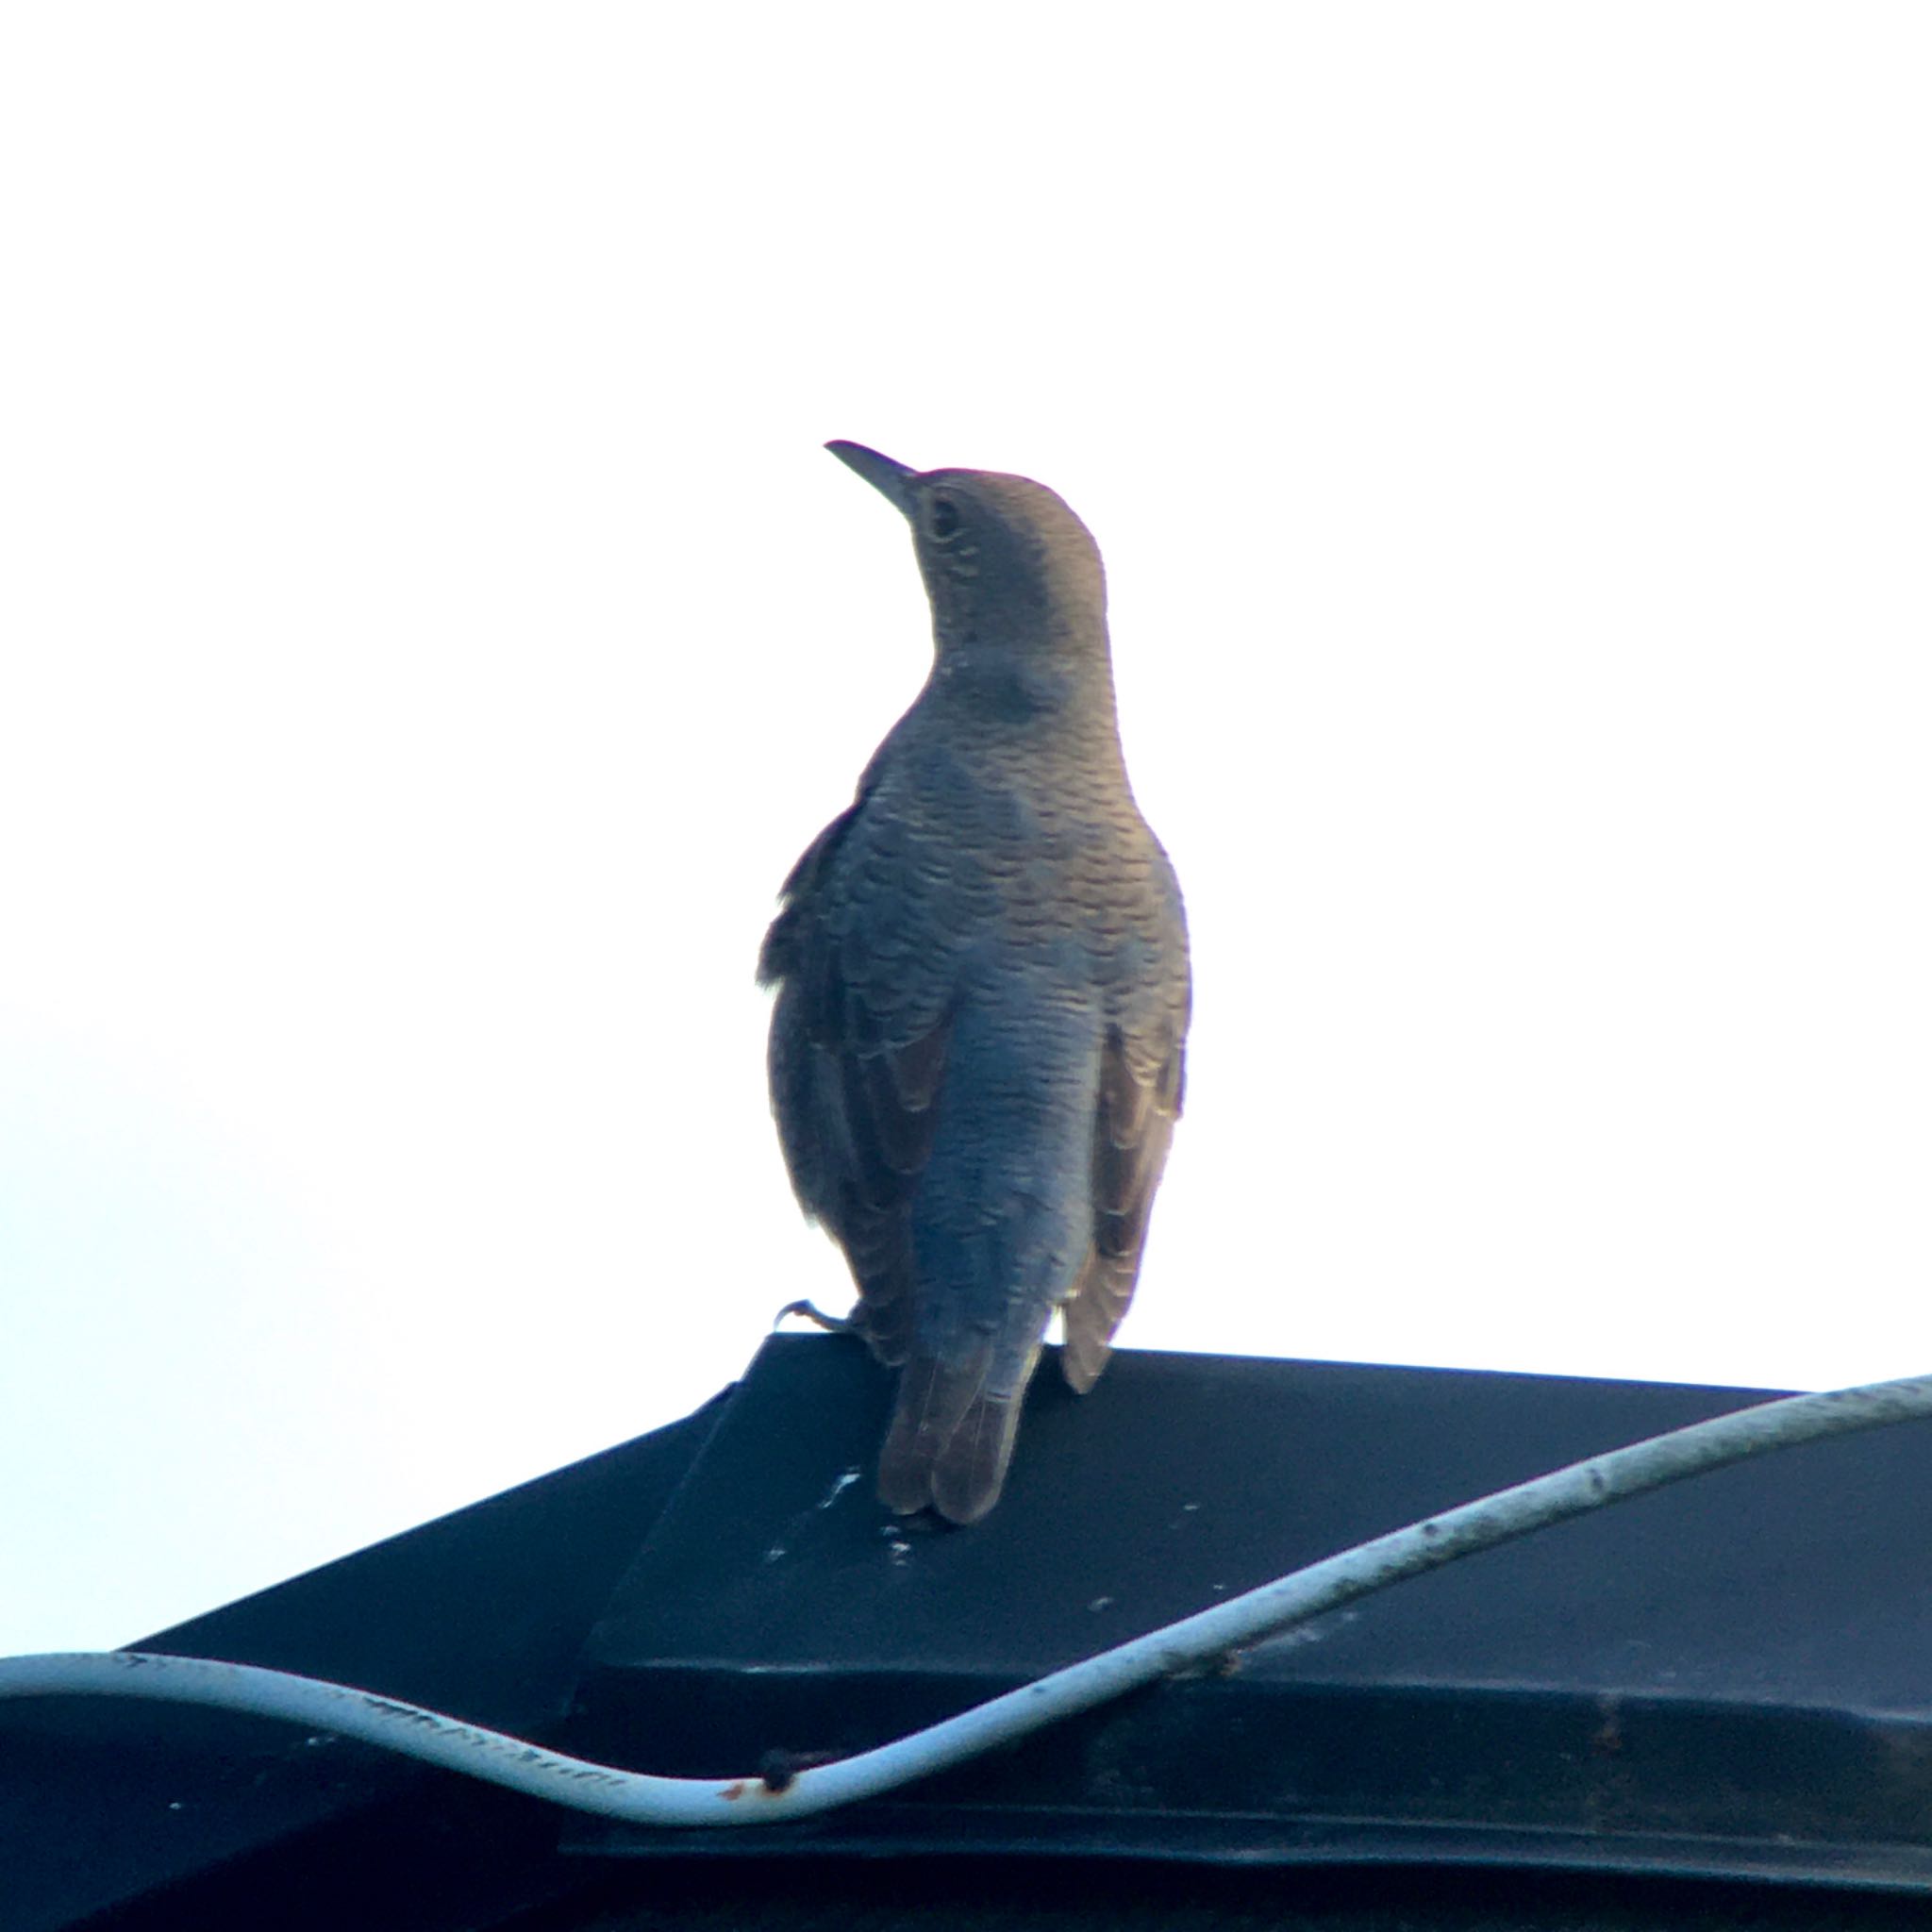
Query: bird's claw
[[807, 1311]]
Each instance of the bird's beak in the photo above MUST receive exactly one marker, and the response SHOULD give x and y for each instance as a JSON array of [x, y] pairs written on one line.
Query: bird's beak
[[892, 480]]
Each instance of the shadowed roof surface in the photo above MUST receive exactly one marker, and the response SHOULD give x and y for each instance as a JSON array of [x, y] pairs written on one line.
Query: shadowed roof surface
[[1725, 1679]]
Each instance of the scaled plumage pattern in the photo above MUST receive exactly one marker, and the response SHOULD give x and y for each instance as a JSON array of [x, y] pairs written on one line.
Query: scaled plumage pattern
[[976, 1051]]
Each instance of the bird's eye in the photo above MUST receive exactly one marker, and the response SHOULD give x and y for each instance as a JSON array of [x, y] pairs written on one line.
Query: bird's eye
[[942, 517]]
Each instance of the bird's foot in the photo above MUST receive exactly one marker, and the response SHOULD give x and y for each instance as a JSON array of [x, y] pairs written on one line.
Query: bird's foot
[[807, 1311]]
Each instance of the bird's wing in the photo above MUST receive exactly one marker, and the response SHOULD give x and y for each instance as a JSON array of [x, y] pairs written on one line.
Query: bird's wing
[[1140, 1101], [857, 1053]]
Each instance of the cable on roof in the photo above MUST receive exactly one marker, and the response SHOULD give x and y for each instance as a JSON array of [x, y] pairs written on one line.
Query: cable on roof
[[641, 1798]]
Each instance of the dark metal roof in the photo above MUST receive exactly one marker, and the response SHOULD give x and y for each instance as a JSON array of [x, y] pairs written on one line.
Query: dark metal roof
[[481, 1613], [1728, 1679], [1732, 1676]]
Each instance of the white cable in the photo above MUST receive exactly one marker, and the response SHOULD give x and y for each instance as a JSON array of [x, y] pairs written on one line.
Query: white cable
[[640, 1798]]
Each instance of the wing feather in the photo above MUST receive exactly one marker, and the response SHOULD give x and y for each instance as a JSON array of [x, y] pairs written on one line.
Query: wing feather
[[1134, 1120], [855, 1070]]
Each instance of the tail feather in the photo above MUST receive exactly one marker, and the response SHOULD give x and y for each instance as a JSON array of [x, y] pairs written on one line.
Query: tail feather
[[971, 1467], [951, 1439], [932, 1401]]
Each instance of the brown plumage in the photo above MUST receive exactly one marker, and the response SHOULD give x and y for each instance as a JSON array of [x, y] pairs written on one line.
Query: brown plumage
[[976, 1051]]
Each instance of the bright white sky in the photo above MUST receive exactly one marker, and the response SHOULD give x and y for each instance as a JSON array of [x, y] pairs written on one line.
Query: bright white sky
[[430, 628]]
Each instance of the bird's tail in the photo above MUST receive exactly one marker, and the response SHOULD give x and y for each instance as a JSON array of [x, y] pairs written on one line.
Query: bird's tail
[[951, 1437]]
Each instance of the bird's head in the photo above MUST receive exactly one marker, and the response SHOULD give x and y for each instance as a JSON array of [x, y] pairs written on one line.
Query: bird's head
[[1007, 566]]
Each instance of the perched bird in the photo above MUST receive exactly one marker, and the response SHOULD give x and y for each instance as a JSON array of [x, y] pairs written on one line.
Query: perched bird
[[983, 992]]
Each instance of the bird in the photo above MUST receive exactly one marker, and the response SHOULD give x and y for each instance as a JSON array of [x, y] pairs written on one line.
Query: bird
[[983, 989]]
